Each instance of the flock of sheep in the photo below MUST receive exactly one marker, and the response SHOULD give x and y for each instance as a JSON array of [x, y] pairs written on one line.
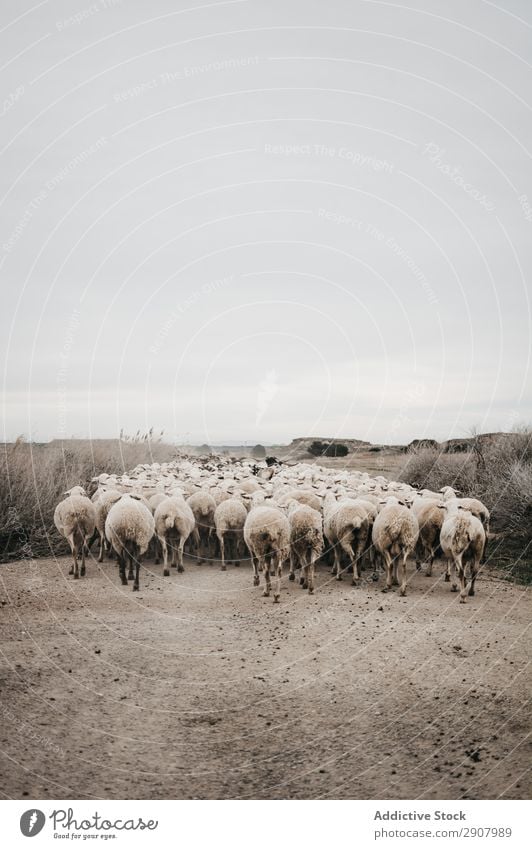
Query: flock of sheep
[[219, 507]]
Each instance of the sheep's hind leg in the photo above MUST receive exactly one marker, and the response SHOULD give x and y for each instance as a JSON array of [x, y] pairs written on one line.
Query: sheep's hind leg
[[388, 562], [403, 574], [255, 564], [278, 576], [222, 551], [474, 573], [267, 582], [122, 568], [82, 571], [395, 580], [292, 573], [74, 568], [457, 568], [173, 549], [180, 547], [463, 588], [336, 565], [359, 549], [164, 547], [136, 585], [310, 574]]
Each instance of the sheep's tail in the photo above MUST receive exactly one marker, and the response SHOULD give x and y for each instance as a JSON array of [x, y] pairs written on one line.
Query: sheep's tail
[[169, 522]]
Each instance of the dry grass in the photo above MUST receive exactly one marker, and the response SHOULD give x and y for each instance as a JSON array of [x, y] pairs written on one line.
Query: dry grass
[[34, 476]]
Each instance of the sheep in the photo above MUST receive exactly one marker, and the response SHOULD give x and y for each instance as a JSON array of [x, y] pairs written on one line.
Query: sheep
[[76, 490], [229, 520], [395, 533], [372, 511], [306, 542], [462, 539], [155, 500], [303, 496], [219, 495], [103, 505], [174, 522], [203, 506], [474, 506], [267, 535], [430, 517], [346, 526], [129, 528], [75, 519]]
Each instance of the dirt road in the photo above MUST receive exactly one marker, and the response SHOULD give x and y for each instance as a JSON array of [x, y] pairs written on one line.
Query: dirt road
[[197, 687]]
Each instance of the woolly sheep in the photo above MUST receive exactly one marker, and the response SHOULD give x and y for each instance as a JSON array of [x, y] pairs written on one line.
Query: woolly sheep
[[174, 522], [303, 496], [306, 542], [203, 506], [346, 527], [129, 528], [229, 520], [103, 505], [462, 539], [155, 500], [267, 535], [75, 519], [474, 506], [430, 518], [395, 533]]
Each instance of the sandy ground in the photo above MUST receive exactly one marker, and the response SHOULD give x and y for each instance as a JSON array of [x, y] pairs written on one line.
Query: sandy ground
[[197, 687]]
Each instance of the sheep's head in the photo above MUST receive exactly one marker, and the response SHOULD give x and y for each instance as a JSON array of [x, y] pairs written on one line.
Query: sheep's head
[[76, 490], [448, 492]]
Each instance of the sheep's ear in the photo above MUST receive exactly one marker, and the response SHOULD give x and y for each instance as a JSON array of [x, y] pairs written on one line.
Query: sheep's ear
[[402, 503]]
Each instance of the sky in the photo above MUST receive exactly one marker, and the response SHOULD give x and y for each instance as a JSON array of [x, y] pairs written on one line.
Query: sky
[[252, 221]]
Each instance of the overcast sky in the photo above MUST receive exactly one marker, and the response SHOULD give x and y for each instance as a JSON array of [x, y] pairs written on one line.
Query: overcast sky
[[251, 220]]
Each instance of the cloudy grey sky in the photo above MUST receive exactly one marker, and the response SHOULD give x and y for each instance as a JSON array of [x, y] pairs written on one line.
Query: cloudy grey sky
[[258, 220]]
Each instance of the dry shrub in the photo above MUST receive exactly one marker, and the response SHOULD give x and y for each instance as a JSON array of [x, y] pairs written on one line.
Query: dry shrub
[[33, 478]]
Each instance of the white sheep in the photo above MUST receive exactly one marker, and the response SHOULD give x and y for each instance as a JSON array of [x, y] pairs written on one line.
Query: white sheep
[[103, 505], [474, 506], [229, 520], [174, 522], [129, 528], [395, 533], [303, 496], [75, 519], [267, 535], [306, 542], [462, 539], [430, 518], [203, 506], [346, 526]]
